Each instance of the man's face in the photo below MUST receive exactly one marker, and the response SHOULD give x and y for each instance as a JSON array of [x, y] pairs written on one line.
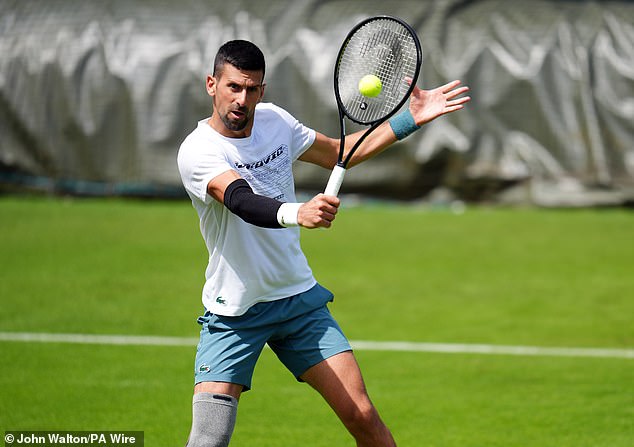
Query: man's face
[[235, 94]]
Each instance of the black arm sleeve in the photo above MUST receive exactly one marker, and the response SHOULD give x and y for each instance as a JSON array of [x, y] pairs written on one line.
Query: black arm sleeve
[[252, 208]]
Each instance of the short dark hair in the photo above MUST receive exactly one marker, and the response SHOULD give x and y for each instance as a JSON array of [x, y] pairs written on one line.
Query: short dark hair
[[242, 54]]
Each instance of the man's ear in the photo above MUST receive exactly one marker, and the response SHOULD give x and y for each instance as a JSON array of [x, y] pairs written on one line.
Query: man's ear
[[211, 84], [262, 93]]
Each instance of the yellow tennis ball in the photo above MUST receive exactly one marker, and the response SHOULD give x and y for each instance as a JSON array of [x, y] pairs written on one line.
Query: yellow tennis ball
[[370, 86]]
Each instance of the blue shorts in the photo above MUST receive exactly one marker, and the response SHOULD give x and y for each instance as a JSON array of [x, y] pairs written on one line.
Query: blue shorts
[[299, 329]]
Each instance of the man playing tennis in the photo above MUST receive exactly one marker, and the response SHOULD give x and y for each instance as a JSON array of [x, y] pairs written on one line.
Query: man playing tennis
[[259, 289]]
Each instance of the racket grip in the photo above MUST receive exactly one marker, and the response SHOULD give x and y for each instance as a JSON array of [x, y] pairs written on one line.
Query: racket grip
[[335, 181]]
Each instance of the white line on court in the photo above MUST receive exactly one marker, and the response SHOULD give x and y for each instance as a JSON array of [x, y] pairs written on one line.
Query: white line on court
[[361, 345]]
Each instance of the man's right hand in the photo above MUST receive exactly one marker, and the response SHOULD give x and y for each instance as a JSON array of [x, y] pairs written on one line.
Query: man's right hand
[[318, 212]]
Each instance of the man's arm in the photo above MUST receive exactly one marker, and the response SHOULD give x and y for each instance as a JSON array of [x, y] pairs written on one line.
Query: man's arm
[[424, 106], [231, 190], [320, 211]]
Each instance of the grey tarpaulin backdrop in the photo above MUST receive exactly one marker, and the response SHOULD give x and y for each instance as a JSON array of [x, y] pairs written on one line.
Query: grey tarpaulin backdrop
[[101, 93]]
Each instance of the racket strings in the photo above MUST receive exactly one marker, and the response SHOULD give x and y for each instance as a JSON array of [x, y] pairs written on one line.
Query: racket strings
[[386, 49]]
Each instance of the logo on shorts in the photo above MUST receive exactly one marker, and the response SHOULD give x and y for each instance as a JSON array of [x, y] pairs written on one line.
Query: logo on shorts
[[204, 368], [221, 300]]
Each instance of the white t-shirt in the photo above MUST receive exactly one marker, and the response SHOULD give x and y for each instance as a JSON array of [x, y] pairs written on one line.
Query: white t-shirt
[[247, 264]]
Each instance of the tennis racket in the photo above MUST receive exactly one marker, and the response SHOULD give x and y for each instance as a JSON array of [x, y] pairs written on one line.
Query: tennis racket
[[385, 47]]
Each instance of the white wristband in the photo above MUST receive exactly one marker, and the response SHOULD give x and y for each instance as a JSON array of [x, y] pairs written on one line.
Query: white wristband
[[287, 214]]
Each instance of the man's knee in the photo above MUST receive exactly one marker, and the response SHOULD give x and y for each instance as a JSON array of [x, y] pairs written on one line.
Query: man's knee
[[213, 421], [363, 415]]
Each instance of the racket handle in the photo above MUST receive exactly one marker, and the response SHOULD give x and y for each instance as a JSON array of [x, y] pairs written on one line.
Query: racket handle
[[335, 181]]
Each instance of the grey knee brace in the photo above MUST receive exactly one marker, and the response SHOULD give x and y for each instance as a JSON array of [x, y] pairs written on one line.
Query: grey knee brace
[[214, 417]]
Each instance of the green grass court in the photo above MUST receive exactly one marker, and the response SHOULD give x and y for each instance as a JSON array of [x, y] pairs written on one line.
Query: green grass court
[[518, 277]]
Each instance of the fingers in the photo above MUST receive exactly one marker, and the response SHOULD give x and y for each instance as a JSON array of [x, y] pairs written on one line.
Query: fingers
[[457, 92], [451, 89], [458, 104], [450, 86], [460, 101], [327, 209], [319, 212], [450, 109], [452, 96]]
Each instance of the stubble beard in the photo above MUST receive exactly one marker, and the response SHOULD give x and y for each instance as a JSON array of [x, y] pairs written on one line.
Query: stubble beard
[[236, 125]]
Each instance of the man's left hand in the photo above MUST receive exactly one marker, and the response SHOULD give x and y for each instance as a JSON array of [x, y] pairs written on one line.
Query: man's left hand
[[427, 105]]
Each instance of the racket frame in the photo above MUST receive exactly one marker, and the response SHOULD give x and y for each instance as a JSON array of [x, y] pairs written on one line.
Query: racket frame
[[336, 177]]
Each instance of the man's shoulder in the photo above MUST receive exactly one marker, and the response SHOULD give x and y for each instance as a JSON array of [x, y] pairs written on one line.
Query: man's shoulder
[[202, 134], [268, 106], [201, 141], [268, 110]]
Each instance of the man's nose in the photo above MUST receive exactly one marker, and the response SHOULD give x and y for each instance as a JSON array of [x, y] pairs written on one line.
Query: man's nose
[[241, 97]]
